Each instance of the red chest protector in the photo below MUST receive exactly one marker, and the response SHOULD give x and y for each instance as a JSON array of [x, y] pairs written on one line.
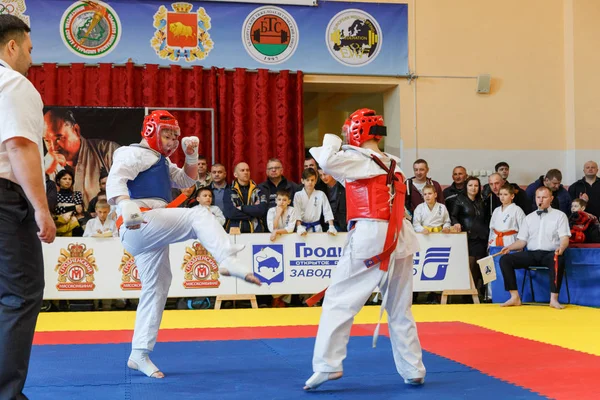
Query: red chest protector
[[369, 198]]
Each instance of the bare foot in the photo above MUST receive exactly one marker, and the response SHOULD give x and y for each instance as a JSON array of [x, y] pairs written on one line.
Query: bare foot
[[557, 305], [253, 279], [318, 378], [512, 302]]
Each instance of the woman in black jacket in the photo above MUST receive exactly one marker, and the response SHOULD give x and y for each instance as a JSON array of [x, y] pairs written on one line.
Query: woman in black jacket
[[469, 213], [67, 199]]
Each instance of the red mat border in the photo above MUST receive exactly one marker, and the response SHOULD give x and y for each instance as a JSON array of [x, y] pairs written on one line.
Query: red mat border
[[549, 370]]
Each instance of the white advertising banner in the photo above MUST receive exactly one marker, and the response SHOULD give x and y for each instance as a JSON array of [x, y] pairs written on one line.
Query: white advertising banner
[[303, 265], [99, 268], [442, 263], [292, 264]]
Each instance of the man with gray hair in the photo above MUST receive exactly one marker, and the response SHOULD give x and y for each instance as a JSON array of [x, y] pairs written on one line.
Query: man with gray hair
[[276, 181]]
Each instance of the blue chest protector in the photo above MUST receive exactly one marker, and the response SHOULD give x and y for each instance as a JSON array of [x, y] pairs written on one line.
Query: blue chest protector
[[153, 183]]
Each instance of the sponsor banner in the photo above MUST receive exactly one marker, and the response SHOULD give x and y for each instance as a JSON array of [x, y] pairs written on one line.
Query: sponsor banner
[[296, 265], [332, 38], [442, 263], [291, 265], [99, 268]]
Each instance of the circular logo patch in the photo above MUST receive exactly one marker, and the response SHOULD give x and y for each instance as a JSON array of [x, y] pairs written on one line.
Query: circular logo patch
[[270, 35], [90, 29], [353, 37]]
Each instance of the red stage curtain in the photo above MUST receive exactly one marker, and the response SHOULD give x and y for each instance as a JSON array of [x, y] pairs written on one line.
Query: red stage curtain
[[258, 115]]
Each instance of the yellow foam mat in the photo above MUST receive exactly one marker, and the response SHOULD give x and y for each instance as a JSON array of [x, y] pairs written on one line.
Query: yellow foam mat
[[574, 328]]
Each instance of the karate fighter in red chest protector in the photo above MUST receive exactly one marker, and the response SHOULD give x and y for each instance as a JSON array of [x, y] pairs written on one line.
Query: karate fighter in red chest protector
[[139, 183], [378, 251]]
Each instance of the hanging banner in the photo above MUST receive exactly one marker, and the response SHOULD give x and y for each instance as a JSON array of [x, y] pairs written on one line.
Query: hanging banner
[[84, 140], [330, 38], [99, 268]]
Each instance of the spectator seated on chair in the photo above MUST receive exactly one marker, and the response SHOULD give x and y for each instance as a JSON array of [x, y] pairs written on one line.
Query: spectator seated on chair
[[546, 234]]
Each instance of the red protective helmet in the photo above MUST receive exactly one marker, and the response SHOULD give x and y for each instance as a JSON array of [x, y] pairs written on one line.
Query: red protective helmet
[[363, 125], [154, 123]]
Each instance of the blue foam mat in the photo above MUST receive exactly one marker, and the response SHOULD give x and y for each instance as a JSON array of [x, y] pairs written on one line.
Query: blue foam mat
[[246, 370]]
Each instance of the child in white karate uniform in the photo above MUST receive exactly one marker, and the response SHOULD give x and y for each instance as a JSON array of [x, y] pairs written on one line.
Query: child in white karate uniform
[[378, 251], [310, 204], [204, 198], [281, 219], [431, 216], [101, 225], [506, 219], [139, 183]]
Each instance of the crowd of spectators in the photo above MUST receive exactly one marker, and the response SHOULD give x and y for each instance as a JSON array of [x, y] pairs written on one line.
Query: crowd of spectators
[[471, 207], [317, 204]]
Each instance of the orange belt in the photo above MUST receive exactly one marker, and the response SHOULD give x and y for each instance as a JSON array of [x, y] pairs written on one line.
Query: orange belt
[[500, 236], [174, 204]]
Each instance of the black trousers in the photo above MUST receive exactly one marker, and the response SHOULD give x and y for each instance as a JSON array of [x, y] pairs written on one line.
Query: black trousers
[[524, 259], [21, 287], [477, 250]]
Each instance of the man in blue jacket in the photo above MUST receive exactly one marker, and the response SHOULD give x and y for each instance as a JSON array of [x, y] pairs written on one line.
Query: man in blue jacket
[[552, 180]]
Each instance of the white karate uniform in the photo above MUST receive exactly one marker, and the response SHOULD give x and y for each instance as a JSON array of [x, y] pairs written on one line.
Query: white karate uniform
[[94, 225], [287, 221], [509, 219], [353, 283], [437, 216], [216, 211], [309, 209], [163, 226]]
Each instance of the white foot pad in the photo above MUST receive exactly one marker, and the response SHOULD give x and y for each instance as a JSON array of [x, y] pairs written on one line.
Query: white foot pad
[[319, 378], [415, 381], [232, 266], [141, 362]]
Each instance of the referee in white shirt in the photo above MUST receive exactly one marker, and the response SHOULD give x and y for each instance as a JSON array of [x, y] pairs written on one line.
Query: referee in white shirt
[[24, 215], [546, 234]]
